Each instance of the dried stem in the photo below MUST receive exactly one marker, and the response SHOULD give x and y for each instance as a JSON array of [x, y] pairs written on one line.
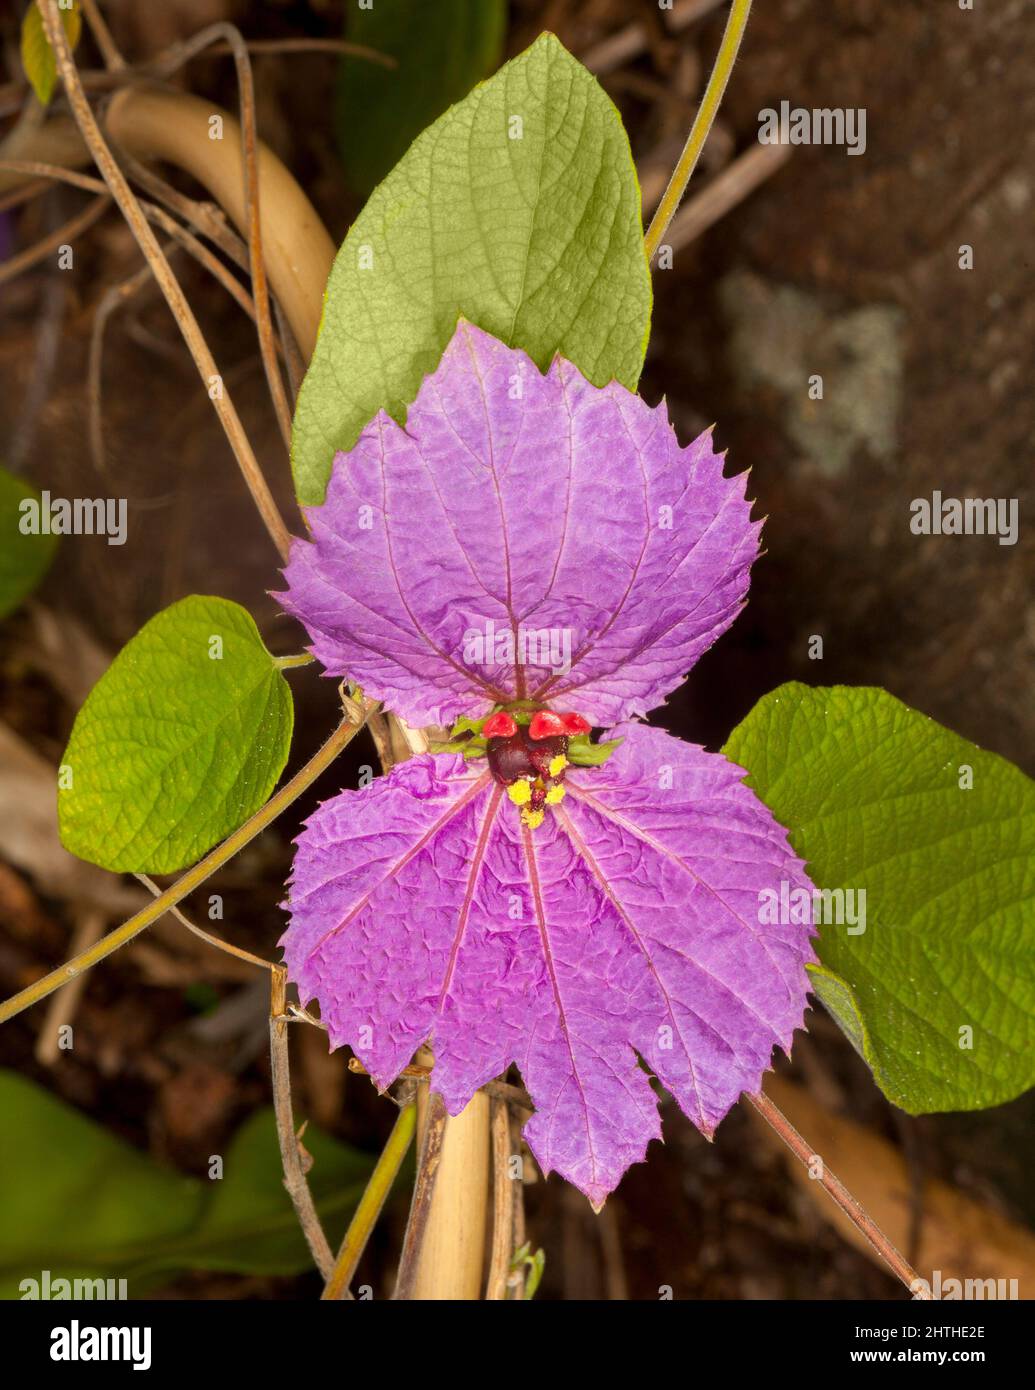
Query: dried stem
[[687, 161], [371, 1203], [423, 1190], [193, 878], [169, 285], [65, 234], [113, 59], [502, 1205], [225, 946], [839, 1193], [291, 1159], [231, 35], [298, 251], [64, 1003]]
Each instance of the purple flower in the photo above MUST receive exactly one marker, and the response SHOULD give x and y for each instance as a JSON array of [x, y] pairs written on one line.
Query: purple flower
[[541, 553]]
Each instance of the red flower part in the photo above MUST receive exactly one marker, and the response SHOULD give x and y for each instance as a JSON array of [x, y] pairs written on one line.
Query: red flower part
[[499, 725], [546, 724], [575, 724]]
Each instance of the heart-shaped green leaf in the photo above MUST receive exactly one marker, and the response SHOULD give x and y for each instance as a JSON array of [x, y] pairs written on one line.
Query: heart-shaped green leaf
[[518, 209], [178, 743], [938, 990]]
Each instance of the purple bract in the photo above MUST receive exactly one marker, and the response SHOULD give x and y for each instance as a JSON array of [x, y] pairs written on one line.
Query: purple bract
[[530, 542]]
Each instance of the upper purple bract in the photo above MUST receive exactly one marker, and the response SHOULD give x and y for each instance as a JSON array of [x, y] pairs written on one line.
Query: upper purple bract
[[521, 515]]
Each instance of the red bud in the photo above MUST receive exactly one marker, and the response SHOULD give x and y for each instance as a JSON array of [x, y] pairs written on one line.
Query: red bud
[[575, 724], [546, 724], [500, 725]]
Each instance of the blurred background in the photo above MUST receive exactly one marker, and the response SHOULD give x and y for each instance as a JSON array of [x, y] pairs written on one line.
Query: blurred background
[[816, 263]]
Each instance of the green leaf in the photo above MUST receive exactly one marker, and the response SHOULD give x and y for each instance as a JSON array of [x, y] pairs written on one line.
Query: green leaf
[[537, 240], [81, 1203], [24, 556], [179, 742], [248, 1223], [941, 836], [583, 752], [37, 54], [441, 51]]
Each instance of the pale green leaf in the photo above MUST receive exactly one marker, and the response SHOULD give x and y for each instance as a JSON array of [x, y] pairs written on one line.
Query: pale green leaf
[[518, 209], [181, 740], [37, 54], [938, 992]]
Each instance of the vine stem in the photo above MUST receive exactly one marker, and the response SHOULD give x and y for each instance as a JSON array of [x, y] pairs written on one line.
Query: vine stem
[[193, 878], [167, 282], [836, 1189], [687, 161], [370, 1204]]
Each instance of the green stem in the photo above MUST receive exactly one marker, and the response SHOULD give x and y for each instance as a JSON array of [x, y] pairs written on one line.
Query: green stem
[[371, 1202], [673, 196], [285, 663], [193, 878]]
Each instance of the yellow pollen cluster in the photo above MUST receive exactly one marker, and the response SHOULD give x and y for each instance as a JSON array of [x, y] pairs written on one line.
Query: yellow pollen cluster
[[557, 765], [533, 796]]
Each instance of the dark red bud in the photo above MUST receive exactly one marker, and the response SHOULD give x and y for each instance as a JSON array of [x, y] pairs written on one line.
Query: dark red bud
[[499, 725], [546, 724]]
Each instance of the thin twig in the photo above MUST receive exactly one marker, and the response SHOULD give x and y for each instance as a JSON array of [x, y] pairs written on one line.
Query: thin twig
[[169, 285], [502, 1251], [110, 301], [630, 42], [193, 878], [227, 947], [113, 59], [231, 35], [65, 235], [739, 11], [64, 1003], [291, 1159], [25, 194], [371, 1203], [423, 1191], [206, 218], [836, 1189], [154, 214]]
